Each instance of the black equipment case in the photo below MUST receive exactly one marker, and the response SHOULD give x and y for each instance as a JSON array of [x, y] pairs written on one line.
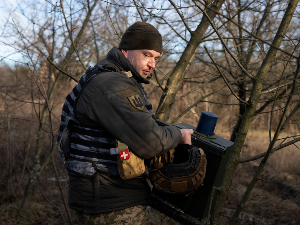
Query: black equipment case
[[194, 207]]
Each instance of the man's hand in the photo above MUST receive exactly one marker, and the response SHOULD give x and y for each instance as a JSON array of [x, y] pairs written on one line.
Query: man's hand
[[186, 136]]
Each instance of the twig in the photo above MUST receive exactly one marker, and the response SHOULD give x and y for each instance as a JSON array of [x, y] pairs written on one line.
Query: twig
[[224, 78], [174, 30], [223, 43], [137, 8], [275, 88], [19, 99], [195, 104], [181, 16], [150, 8], [263, 180], [62, 70], [70, 35], [156, 78], [291, 115], [95, 42], [210, 203], [60, 190], [280, 108], [232, 17], [195, 89], [12, 118], [253, 35]]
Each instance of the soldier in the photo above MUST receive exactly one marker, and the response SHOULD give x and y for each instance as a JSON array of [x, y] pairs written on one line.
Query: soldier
[[108, 105]]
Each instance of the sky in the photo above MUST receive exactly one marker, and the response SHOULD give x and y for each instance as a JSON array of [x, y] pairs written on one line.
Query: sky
[[7, 53]]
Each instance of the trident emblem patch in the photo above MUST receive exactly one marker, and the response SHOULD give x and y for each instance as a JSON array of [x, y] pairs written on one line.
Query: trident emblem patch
[[136, 101]]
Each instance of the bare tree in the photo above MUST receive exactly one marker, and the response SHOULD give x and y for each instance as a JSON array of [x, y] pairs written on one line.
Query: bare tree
[[240, 56]]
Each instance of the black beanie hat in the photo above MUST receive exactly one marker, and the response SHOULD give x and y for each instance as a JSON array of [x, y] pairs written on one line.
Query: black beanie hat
[[141, 35]]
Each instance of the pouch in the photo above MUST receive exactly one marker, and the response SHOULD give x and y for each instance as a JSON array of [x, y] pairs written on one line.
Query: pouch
[[132, 167]]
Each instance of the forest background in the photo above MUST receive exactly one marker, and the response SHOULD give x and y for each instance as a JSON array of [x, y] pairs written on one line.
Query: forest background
[[238, 59]]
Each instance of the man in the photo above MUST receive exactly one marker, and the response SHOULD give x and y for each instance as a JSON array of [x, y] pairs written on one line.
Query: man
[[108, 105]]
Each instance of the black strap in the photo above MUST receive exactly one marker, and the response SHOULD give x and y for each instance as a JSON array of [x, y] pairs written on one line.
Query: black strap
[[92, 133], [92, 144], [97, 184], [90, 73], [90, 154]]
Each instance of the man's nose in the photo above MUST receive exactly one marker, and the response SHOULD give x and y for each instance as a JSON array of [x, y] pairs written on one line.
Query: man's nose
[[151, 63]]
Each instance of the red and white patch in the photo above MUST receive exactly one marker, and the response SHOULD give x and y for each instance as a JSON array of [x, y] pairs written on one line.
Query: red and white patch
[[124, 155]]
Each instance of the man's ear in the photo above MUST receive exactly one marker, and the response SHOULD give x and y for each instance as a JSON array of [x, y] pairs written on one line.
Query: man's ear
[[124, 52]]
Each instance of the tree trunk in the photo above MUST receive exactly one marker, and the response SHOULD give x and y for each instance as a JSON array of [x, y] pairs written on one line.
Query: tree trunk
[[242, 108], [233, 152], [36, 167], [168, 96]]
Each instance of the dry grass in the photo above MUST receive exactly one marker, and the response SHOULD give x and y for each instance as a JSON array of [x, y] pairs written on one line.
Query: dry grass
[[37, 212], [273, 201], [274, 198]]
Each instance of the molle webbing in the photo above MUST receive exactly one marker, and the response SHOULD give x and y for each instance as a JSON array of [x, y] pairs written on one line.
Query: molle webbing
[[87, 145], [68, 107]]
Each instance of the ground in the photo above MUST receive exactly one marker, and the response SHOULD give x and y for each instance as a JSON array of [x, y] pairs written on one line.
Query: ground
[[275, 199]]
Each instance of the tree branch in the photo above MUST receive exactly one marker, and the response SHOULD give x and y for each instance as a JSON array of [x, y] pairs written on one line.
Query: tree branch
[[137, 8], [196, 103], [223, 43], [253, 35], [63, 72], [224, 78], [181, 16], [70, 35], [165, 104], [281, 146]]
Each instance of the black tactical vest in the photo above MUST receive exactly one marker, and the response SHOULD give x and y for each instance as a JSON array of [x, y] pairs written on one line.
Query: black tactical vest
[[84, 150]]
